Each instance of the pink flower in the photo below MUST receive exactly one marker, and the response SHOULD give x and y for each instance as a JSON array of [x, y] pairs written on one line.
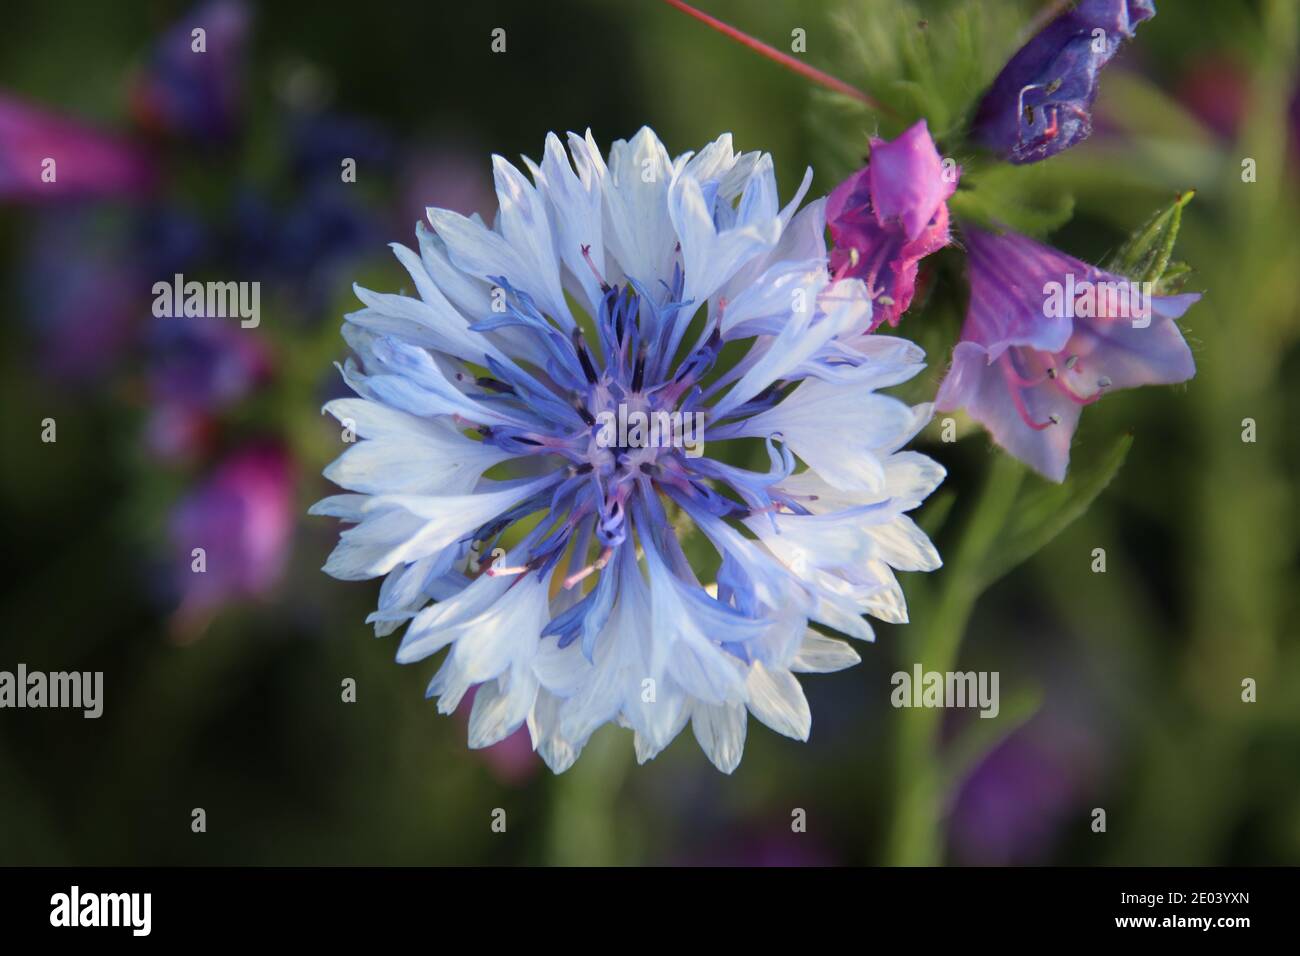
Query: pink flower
[[1045, 335], [888, 216], [242, 518]]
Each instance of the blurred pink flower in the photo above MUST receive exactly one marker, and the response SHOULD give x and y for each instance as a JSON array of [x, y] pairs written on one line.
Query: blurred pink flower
[[44, 157], [242, 518]]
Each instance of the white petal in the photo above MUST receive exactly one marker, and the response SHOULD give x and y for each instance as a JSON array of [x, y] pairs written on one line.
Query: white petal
[[776, 699], [496, 714], [823, 655], [720, 729]]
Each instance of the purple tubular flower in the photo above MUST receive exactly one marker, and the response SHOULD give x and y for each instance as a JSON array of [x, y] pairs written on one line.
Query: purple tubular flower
[[888, 216], [44, 157], [1046, 334], [1041, 102]]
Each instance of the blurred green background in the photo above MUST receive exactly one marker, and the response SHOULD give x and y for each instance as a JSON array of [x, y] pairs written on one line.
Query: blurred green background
[[1130, 680]]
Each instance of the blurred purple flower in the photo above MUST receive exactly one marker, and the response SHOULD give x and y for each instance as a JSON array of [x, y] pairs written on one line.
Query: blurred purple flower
[[80, 306], [320, 141], [888, 216], [195, 368], [303, 246], [187, 93], [1010, 808], [167, 238], [1025, 372], [242, 517], [203, 363], [1041, 102], [86, 163]]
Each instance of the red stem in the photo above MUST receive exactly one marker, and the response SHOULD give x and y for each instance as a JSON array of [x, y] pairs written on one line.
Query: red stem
[[789, 62]]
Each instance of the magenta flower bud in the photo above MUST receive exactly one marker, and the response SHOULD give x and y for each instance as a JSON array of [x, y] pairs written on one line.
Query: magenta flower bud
[[1041, 102], [1045, 335], [888, 216]]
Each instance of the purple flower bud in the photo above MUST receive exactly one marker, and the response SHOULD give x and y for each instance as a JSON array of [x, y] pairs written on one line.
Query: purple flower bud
[[1041, 102], [1046, 334], [888, 216]]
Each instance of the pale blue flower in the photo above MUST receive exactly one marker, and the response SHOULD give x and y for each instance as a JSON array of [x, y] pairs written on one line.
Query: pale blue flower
[[548, 559]]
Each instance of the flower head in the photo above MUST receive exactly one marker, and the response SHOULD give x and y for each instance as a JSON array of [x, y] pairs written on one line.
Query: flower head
[[502, 475], [1045, 335], [888, 216], [1041, 102]]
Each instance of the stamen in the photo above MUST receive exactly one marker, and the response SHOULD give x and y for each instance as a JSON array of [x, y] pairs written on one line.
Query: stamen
[[597, 565], [586, 254], [638, 374], [1009, 370], [1018, 400], [852, 263], [581, 348], [1064, 387]]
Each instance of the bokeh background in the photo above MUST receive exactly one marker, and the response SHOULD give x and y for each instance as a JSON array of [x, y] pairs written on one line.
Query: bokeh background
[[1120, 690]]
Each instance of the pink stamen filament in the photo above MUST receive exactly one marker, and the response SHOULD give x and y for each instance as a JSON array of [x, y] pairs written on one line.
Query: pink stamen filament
[[1017, 399], [597, 565], [1074, 396], [851, 262], [586, 255], [1020, 380]]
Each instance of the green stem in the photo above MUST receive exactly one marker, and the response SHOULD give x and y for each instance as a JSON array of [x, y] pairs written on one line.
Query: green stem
[[583, 827], [920, 799]]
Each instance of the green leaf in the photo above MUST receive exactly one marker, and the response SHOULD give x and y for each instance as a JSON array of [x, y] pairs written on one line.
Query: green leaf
[[1044, 509], [1146, 255]]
